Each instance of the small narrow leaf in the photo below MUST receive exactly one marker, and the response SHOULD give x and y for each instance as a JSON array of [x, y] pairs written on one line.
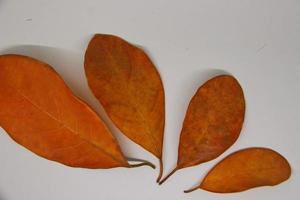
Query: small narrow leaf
[[40, 112], [212, 123], [127, 84], [246, 169]]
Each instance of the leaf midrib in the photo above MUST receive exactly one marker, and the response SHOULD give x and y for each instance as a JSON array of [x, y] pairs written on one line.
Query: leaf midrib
[[67, 127]]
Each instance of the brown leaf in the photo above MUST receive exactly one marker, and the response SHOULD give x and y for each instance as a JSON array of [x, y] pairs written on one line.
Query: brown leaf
[[40, 112], [246, 169], [212, 123], [127, 84]]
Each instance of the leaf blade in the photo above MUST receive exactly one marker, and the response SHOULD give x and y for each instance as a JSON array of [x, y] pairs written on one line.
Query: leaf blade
[[212, 123], [40, 112], [127, 84], [246, 169]]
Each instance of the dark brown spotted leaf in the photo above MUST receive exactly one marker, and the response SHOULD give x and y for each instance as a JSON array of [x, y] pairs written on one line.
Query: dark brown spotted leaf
[[212, 123]]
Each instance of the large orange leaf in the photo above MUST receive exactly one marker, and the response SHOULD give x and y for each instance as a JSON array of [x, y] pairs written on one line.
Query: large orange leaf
[[212, 123], [127, 84], [40, 112], [246, 169]]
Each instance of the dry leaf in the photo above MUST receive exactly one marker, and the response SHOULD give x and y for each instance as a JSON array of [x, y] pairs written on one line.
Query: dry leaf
[[40, 112], [212, 123], [246, 169], [127, 84]]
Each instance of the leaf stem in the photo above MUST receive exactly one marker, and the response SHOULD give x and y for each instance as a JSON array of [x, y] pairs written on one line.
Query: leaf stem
[[164, 179], [192, 189], [160, 170], [142, 163]]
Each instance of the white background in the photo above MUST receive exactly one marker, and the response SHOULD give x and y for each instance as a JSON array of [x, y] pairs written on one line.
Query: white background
[[258, 41]]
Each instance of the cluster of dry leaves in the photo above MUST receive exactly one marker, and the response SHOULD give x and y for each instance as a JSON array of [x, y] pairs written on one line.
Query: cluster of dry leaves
[[40, 112]]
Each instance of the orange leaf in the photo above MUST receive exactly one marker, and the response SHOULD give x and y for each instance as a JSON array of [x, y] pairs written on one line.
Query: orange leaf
[[127, 84], [212, 123], [246, 169], [40, 112]]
